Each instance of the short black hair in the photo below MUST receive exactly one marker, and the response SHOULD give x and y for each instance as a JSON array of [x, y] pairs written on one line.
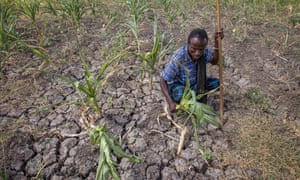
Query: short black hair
[[198, 33]]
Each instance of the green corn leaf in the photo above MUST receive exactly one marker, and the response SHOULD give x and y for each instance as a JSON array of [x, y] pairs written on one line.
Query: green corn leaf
[[103, 173], [66, 79], [93, 137], [194, 101], [85, 90], [211, 120], [199, 96], [51, 8], [101, 163], [195, 125], [108, 145], [78, 103], [41, 54], [207, 107], [199, 113], [89, 87], [114, 145], [109, 63], [106, 149], [115, 175], [108, 155]]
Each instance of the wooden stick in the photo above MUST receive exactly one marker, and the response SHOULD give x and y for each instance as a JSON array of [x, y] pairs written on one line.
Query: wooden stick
[[220, 62]]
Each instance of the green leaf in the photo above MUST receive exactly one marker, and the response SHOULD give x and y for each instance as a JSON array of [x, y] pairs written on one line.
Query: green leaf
[[41, 54], [119, 152], [208, 109], [3, 176], [108, 145], [211, 120]]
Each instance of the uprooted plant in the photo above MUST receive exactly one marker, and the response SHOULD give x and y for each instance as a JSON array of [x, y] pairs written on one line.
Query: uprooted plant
[[199, 113]]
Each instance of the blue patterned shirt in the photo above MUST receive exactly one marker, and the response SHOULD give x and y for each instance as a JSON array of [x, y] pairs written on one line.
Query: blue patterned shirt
[[174, 73]]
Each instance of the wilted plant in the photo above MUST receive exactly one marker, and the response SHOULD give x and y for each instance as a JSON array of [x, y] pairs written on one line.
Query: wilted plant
[[99, 135], [108, 146], [93, 5], [38, 51], [31, 9], [172, 9], [8, 34], [200, 114], [136, 8], [73, 9], [152, 58], [92, 84], [50, 7]]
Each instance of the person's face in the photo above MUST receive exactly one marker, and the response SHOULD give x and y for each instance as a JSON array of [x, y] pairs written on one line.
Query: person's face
[[196, 47]]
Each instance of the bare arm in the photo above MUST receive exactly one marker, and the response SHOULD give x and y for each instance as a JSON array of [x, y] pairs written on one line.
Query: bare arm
[[164, 89]]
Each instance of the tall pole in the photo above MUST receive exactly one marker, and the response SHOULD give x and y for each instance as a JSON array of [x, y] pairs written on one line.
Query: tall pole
[[220, 62]]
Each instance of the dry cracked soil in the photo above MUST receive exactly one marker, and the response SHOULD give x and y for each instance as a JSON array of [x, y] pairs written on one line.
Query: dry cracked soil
[[34, 106]]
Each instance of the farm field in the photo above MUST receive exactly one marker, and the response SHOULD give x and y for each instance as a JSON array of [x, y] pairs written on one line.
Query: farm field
[[80, 95]]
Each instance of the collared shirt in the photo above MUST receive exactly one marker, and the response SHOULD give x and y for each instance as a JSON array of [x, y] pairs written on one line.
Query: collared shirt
[[175, 73]]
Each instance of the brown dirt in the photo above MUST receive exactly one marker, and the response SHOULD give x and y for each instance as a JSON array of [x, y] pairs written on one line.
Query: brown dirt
[[29, 99]]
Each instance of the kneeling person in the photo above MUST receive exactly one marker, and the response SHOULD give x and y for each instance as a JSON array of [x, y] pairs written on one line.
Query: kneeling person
[[173, 77]]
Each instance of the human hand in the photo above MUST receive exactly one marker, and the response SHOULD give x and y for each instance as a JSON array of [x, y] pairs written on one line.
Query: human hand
[[172, 107], [219, 34]]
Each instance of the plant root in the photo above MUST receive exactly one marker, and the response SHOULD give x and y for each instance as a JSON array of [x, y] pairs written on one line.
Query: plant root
[[171, 137], [182, 129], [181, 141]]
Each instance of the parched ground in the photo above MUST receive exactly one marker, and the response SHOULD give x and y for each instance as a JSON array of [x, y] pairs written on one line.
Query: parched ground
[[261, 93]]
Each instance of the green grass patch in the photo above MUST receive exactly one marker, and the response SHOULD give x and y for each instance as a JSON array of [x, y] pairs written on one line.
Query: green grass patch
[[256, 98]]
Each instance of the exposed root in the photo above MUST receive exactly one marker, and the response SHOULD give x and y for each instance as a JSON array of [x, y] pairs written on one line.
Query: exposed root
[[169, 117], [87, 120], [181, 141], [171, 137], [182, 129]]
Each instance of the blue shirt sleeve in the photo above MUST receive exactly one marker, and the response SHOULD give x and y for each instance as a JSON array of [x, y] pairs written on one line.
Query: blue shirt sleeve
[[170, 72], [208, 55]]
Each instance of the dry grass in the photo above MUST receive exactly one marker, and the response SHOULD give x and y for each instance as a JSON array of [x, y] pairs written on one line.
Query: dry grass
[[267, 145]]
